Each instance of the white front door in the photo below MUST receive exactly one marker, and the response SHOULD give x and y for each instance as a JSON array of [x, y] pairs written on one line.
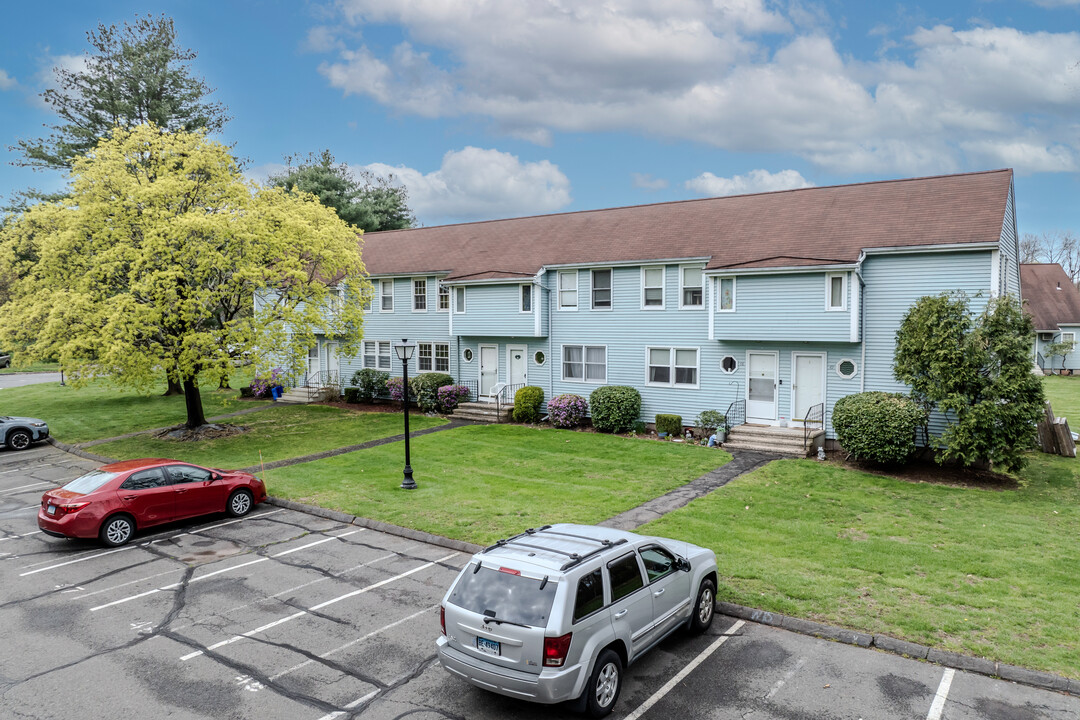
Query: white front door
[[489, 368], [807, 382], [312, 363], [332, 369], [516, 362], [761, 386]]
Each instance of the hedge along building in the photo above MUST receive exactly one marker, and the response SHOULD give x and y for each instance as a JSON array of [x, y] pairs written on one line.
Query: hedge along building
[[765, 305]]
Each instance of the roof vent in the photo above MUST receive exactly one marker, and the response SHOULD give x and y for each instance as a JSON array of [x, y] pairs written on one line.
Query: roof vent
[[1059, 285]]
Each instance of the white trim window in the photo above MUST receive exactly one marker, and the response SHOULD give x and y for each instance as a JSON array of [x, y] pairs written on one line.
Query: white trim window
[[442, 357], [652, 288], [376, 355], [601, 289], [370, 349], [365, 300], [725, 299], [419, 294], [444, 299], [568, 288], [1068, 337], [423, 356], [691, 288], [386, 296], [584, 363], [384, 355], [459, 299], [835, 291], [433, 357], [525, 304], [672, 367]]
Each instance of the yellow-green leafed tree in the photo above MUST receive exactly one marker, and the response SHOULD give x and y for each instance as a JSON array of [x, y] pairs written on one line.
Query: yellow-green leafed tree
[[151, 262]]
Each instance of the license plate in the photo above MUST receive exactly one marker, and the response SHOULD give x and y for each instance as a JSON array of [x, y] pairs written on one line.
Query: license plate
[[488, 647], [51, 509]]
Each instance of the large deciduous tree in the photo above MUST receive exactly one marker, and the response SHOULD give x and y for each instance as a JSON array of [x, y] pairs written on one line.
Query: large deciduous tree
[[975, 370], [154, 260], [362, 199], [136, 74]]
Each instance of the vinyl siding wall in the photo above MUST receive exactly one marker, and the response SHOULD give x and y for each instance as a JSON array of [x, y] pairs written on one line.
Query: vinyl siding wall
[[1010, 251], [494, 310], [783, 307], [1072, 360]]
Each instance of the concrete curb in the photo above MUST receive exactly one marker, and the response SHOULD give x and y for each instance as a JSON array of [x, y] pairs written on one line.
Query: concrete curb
[[73, 450], [418, 535], [981, 666]]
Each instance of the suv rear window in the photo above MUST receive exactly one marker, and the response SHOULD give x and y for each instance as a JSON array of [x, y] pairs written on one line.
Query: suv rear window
[[511, 597]]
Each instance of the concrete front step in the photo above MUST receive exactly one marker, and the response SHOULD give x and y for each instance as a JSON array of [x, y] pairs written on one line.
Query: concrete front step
[[308, 395], [483, 412], [785, 450], [786, 441]]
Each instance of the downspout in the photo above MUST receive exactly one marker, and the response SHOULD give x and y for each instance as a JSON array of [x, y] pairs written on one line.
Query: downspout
[[862, 322], [550, 330]]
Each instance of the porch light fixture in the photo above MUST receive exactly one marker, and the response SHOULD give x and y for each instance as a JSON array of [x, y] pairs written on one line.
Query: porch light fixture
[[405, 352]]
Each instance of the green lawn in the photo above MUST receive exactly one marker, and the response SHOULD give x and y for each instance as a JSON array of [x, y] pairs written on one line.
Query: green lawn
[[1063, 392], [32, 367], [279, 432], [101, 410], [982, 572], [481, 483]]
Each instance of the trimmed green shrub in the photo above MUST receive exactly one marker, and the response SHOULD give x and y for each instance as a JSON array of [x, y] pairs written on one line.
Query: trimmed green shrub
[[527, 402], [352, 395], [425, 388], [614, 408], [878, 426], [709, 420], [246, 392], [370, 382], [567, 411], [671, 424]]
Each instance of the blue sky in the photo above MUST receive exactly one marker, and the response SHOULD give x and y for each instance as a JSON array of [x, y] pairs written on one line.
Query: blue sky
[[496, 108]]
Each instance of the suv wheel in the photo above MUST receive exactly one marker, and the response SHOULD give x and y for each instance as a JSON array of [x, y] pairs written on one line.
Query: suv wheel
[[703, 607], [604, 684], [18, 440]]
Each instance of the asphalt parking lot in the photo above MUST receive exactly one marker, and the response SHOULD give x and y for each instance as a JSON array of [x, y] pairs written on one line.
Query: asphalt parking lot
[[285, 615]]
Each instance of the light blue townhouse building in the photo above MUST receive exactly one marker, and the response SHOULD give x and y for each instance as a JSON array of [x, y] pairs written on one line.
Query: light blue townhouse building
[[764, 306], [1053, 302]]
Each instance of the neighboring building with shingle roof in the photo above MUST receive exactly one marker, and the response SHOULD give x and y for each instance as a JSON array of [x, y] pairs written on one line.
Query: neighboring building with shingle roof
[[762, 305], [1053, 302]]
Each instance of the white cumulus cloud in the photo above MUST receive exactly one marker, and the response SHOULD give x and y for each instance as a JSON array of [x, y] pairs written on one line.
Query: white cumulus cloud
[[478, 184], [6, 81], [756, 181]]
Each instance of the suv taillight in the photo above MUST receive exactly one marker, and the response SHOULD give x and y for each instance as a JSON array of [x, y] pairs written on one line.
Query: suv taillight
[[442, 618], [555, 649]]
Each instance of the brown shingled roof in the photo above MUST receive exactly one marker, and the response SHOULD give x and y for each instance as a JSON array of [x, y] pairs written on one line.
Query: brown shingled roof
[[813, 226], [1049, 295]]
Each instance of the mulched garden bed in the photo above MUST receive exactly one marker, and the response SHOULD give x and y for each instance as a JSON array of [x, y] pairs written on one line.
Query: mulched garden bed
[[181, 433], [928, 471]]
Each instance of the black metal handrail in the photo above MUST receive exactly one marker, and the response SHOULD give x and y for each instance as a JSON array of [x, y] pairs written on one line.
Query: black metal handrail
[[506, 395], [735, 415], [1040, 360], [814, 416], [474, 389]]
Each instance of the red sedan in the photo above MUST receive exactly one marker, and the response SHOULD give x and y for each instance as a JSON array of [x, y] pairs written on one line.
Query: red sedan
[[115, 500]]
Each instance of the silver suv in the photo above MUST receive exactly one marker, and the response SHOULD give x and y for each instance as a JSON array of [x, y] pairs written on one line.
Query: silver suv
[[558, 612]]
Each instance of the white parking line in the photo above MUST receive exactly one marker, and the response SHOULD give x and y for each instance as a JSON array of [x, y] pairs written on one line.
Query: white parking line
[[659, 694], [942, 693], [16, 537], [787, 676], [22, 488], [129, 598], [349, 644], [350, 706], [320, 606], [131, 547], [22, 469]]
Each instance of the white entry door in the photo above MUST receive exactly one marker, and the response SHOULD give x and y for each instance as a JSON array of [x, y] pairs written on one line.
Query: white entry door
[[489, 368], [332, 369], [312, 363], [761, 386], [807, 382], [516, 362]]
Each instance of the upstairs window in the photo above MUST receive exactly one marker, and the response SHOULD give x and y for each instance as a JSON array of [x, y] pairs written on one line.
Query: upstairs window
[[444, 298], [459, 300], [568, 289], [836, 291], [386, 295], [419, 294], [601, 289], [365, 300], [726, 298], [690, 293], [652, 288], [526, 298]]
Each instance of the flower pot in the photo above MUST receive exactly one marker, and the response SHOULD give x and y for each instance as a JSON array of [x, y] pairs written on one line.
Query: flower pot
[[661, 434]]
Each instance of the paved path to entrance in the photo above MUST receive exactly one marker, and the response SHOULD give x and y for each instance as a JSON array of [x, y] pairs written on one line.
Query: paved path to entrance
[[742, 462]]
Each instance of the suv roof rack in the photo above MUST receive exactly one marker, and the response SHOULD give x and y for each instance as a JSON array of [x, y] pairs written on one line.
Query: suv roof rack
[[575, 558]]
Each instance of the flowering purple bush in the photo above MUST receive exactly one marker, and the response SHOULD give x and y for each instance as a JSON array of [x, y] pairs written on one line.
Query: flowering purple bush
[[567, 411], [261, 386], [451, 395], [396, 386]]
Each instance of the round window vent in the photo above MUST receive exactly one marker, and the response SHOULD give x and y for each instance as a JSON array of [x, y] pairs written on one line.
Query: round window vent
[[729, 364], [466, 355], [846, 368], [539, 358]]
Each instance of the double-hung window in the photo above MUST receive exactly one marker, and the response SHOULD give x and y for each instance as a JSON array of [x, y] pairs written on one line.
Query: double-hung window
[[459, 300], [442, 357], [652, 288], [601, 289], [386, 295], [691, 293], [526, 298], [376, 355], [433, 357], [365, 301], [423, 357], [725, 299], [419, 294], [1068, 337], [568, 289], [369, 353], [384, 355], [444, 298], [585, 363], [836, 291], [674, 367]]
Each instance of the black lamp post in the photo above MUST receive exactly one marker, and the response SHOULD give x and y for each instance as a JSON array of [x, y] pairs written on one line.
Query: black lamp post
[[405, 352]]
